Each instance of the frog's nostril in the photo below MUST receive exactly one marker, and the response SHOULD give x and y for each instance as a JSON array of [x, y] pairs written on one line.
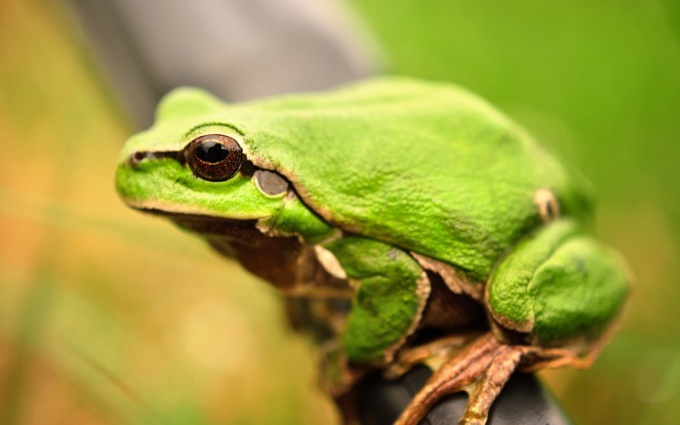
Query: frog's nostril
[[138, 157]]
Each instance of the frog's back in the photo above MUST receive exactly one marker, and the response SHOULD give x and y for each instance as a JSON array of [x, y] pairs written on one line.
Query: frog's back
[[428, 167]]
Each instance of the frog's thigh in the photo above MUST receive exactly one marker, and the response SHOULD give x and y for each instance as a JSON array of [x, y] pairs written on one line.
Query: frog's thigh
[[391, 292], [559, 284]]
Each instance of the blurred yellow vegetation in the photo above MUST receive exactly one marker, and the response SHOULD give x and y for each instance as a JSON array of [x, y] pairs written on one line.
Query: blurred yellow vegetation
[[107, 316]]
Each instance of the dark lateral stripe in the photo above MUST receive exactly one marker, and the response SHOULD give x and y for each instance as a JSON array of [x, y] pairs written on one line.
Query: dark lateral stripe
[[140, 156], [247, 167]]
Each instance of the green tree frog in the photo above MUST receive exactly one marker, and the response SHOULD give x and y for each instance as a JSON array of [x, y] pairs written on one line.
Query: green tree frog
[[397, 216]]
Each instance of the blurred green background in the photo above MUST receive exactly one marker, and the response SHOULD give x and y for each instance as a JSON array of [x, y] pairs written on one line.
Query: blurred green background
[[107, 316]]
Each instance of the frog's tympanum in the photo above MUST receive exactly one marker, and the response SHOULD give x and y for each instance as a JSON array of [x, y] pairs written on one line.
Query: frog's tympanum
[[405, 222]]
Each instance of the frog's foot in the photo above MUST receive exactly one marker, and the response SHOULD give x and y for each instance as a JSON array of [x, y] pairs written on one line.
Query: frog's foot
[[481, 370], [433, 354], [338, 376]]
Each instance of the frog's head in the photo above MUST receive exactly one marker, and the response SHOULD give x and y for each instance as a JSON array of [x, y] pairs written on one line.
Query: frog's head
[[190, 164]]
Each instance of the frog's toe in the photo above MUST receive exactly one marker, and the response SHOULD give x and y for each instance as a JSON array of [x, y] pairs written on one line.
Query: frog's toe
[[337, 375], [481, 369], [432, 354], [463, 373]]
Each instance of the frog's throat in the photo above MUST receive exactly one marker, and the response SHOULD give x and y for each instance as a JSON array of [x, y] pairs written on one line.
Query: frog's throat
[[176, 211], [243, 231], [284, 262]]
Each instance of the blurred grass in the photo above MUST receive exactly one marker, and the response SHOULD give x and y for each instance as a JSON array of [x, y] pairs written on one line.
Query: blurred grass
[[107, 316], [600, 83]]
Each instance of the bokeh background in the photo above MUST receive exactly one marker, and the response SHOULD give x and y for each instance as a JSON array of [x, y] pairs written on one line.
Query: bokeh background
[[111, 317]]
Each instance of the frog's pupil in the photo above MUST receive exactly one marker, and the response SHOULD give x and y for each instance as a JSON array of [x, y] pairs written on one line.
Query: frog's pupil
[[212, 152]]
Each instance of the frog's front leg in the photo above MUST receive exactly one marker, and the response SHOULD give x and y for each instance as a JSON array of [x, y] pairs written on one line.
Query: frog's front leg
[[391, 290]]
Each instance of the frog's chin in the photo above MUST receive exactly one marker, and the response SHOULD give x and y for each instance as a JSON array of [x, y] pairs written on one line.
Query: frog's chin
[[214, 228], [170, 210], [210, 225]]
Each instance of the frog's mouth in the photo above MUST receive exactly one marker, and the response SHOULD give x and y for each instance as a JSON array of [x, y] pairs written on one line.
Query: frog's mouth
[[215, 228]]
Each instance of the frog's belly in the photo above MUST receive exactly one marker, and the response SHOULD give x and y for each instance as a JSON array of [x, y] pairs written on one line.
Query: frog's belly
[[447, 311]]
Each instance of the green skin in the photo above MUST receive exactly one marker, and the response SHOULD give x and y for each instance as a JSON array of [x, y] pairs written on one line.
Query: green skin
[[387, 175]]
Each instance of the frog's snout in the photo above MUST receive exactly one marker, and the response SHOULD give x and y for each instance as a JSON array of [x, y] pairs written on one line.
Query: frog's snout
[[136, 158]]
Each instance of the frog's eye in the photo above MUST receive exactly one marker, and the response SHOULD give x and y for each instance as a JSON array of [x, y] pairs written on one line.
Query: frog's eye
[[213, 157]]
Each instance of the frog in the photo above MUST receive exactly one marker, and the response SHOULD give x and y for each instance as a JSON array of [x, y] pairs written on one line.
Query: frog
[[404, 221]]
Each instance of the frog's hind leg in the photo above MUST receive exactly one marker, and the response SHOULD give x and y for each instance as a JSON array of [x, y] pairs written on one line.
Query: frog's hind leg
[[481, 369], [462, 373], [484, 392]]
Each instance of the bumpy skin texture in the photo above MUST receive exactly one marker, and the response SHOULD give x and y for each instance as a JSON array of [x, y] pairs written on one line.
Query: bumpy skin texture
[[392, 293], [384, 169], [557, 284], [428, 167]]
